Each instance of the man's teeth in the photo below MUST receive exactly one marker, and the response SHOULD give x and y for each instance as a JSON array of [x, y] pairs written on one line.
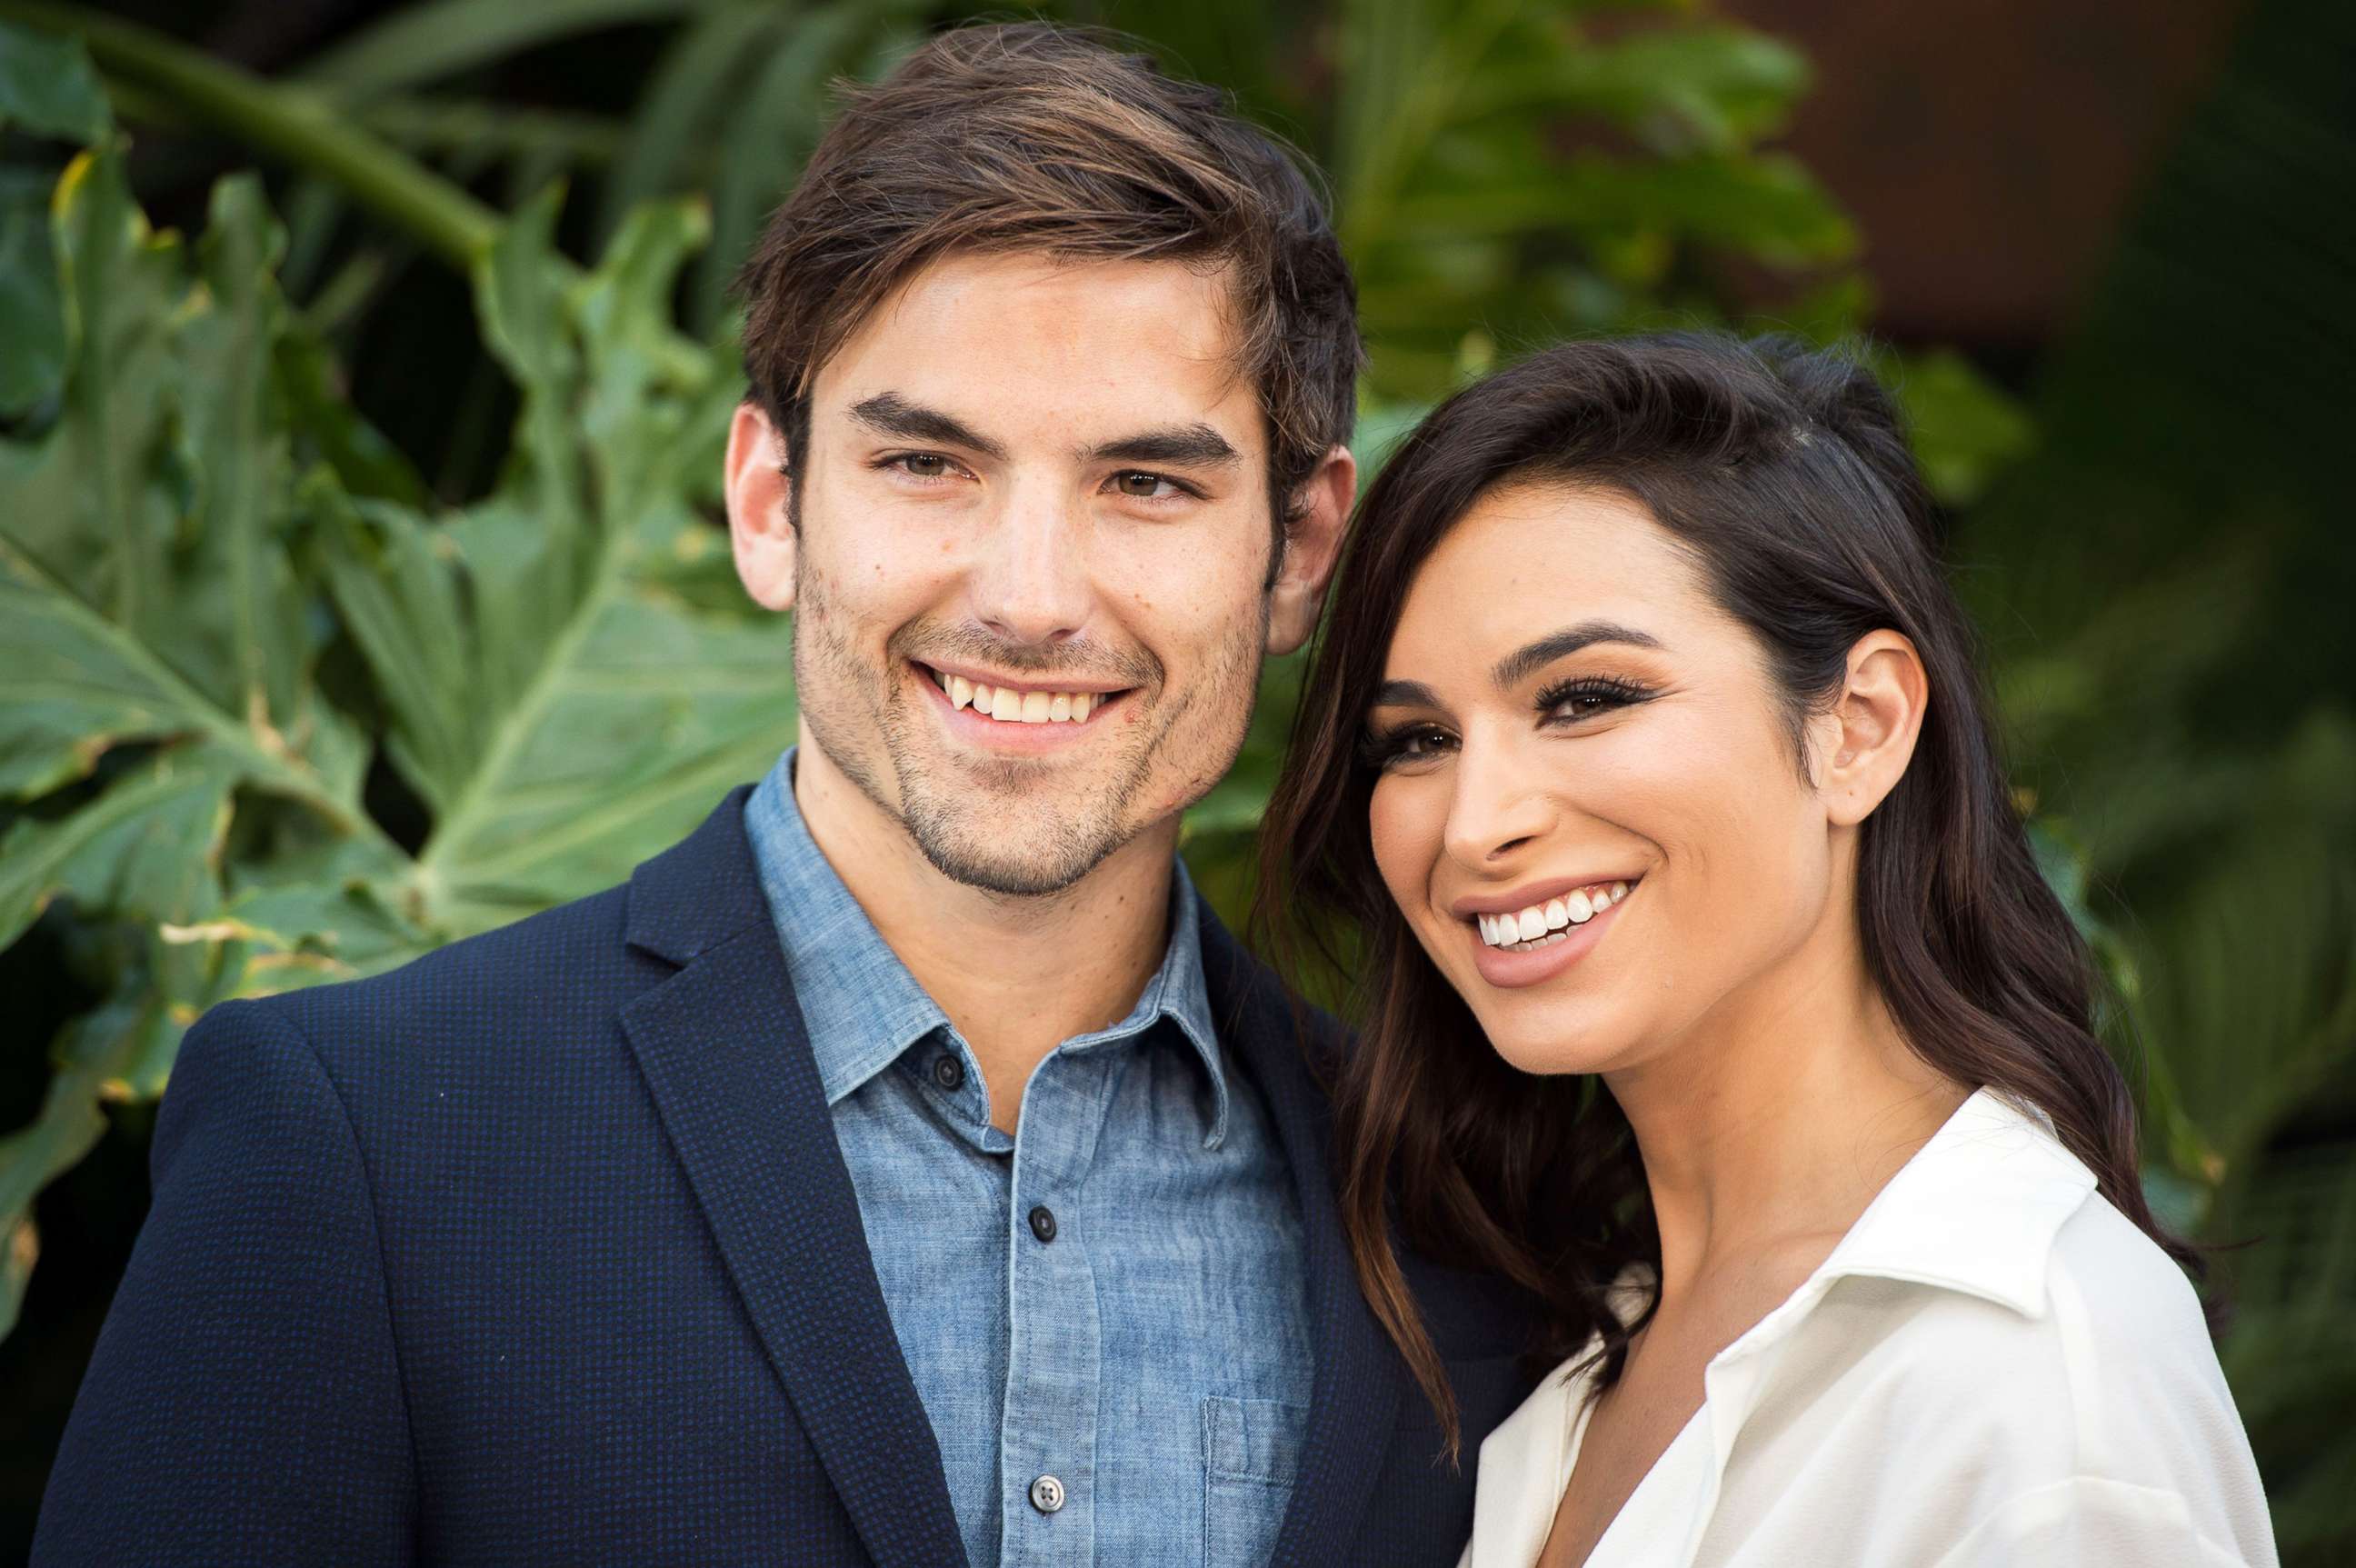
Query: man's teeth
[[1542, 925], [1014, 707]]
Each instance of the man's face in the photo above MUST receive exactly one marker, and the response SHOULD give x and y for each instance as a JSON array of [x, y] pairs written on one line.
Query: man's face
[[1042, 485]]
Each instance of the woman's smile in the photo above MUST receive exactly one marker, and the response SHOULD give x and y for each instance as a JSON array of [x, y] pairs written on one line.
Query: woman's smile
[[1530, 935]]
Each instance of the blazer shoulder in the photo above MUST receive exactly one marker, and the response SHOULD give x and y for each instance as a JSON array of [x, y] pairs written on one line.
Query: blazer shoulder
[[544, 976]]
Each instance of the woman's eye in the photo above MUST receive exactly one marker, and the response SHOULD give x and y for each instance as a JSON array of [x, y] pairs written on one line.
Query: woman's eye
[[1419, 745], [1586, 700]]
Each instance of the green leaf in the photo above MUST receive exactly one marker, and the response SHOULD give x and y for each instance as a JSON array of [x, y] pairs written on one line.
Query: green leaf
[[773, 128], [145, 592], [562, 688], [687, 105], [308, 933], [429, 42], [33, 368], [47, 87], [1965, 431], [162, 716], [149, 846], [99, 1055], [1770, 208], [1714, 87]]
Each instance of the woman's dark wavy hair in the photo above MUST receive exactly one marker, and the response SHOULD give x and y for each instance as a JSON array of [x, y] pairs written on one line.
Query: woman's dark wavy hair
[[1786, 476]]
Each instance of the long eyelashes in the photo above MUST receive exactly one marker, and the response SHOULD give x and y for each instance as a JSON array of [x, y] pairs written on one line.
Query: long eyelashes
[[1563, 703], [1380, 750], [1590, 695]]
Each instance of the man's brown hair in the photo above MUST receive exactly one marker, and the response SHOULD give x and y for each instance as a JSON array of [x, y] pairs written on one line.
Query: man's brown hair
[[1034, 137]]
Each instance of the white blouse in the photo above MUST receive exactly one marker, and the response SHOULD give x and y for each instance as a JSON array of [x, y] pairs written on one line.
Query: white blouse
[[1993, 1367]]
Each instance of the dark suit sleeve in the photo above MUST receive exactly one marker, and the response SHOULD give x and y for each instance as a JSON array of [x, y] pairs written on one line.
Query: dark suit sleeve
[[244, 1403]]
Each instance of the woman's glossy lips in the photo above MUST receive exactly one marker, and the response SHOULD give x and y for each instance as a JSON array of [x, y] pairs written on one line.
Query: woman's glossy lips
[[1510, 970]]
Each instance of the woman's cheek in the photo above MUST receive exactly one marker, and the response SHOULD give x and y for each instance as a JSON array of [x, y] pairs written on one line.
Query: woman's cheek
[[1386, 828]]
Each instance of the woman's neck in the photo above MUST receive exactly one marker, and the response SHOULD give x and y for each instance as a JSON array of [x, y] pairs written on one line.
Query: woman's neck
[[1775, 1123]]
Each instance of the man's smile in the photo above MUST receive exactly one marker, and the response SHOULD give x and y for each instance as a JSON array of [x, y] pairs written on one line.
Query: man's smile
[[1008, 700], [1003, 714]]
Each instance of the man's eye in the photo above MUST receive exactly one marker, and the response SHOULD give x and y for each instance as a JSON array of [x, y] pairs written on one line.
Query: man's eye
[[1143, 485], [922, 465]]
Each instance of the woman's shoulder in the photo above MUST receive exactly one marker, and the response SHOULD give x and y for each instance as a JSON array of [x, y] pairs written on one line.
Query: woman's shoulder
[[2086, 1322], [2106, 1267], [2138, 1347]]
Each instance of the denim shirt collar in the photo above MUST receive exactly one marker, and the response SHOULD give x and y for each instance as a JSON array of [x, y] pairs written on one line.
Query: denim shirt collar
[[862, 1008]]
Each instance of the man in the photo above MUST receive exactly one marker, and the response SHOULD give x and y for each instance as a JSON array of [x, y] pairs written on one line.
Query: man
[[906, 1168]]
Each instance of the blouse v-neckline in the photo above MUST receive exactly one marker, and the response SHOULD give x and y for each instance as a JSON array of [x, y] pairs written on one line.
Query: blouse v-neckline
[[1652, 1505]]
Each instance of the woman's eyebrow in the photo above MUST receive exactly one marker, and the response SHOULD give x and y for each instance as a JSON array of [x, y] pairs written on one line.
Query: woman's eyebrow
[[1404, 694], [1527, 660]]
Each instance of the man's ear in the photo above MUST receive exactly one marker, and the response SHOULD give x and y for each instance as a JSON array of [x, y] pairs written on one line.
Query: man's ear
[[758, 493], [1873, 726], [1313, 540]]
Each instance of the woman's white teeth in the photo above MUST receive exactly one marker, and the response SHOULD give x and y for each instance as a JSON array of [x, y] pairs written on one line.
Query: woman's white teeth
[[1541, 925], [1017, 707]]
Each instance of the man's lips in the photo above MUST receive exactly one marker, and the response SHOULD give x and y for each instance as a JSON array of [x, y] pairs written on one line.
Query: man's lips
[[976, 675], [997, 714]]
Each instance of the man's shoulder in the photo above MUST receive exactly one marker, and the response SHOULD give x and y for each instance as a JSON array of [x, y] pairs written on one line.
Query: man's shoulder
[[558, 969], [1249, 997], [559, 961]]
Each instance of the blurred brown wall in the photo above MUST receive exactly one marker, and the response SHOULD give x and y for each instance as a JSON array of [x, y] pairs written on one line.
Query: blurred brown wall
[[1990, 148]]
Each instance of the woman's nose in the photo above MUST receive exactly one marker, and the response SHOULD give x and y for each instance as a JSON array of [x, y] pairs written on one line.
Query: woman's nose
[[1500, 806], [1029, 580]]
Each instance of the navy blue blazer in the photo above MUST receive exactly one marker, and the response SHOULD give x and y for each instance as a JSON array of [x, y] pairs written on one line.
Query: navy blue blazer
[[539, 1250]]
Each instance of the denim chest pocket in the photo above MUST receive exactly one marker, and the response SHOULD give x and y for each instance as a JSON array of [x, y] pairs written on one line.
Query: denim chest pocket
[[1251, 1451]]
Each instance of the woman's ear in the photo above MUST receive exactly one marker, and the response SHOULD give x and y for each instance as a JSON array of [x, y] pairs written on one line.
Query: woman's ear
[[760, 513], [1313, 540], [1878, 717]]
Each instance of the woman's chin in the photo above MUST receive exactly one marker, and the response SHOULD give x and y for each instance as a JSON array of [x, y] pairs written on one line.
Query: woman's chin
[[1567, 1040]]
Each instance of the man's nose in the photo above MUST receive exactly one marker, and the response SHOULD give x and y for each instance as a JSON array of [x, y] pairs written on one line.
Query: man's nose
[[1502, 804], [1029, 580]]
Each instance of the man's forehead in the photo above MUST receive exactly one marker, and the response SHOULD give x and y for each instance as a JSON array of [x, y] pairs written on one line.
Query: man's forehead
[[1026, 349]]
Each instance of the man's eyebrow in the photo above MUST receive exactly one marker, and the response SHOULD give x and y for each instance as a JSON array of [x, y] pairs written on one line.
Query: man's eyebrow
[[1186, 445], [889, 413], [1404, 694], [1527, 660]]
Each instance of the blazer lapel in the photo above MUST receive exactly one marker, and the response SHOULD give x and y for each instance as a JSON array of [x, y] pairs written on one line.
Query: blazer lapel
[[727, 1058], [1360, 1374]]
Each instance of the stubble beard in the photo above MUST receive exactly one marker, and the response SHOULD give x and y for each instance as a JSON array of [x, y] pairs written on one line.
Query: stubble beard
[[965, 828]]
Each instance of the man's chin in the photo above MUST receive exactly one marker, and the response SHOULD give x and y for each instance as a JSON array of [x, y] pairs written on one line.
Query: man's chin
[[1019, 856]]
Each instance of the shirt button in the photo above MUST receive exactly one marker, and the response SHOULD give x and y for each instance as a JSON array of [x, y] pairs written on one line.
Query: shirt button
[[1046, 1493], [949, 1073], [1043, 1225]]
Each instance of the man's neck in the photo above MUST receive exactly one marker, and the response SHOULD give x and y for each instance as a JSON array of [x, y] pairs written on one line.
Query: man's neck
[[1017, 976]]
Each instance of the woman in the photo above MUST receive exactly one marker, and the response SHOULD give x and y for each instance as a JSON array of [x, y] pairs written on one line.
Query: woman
[[1712, 993]]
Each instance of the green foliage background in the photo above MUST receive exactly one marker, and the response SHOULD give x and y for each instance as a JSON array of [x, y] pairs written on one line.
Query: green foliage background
[[301, 679]]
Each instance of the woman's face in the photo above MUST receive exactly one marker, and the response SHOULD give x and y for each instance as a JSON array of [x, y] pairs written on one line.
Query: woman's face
[[1589, 807]]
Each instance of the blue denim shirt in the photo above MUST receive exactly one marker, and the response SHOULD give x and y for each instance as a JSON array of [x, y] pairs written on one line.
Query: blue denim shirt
[[1113, 1297]]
